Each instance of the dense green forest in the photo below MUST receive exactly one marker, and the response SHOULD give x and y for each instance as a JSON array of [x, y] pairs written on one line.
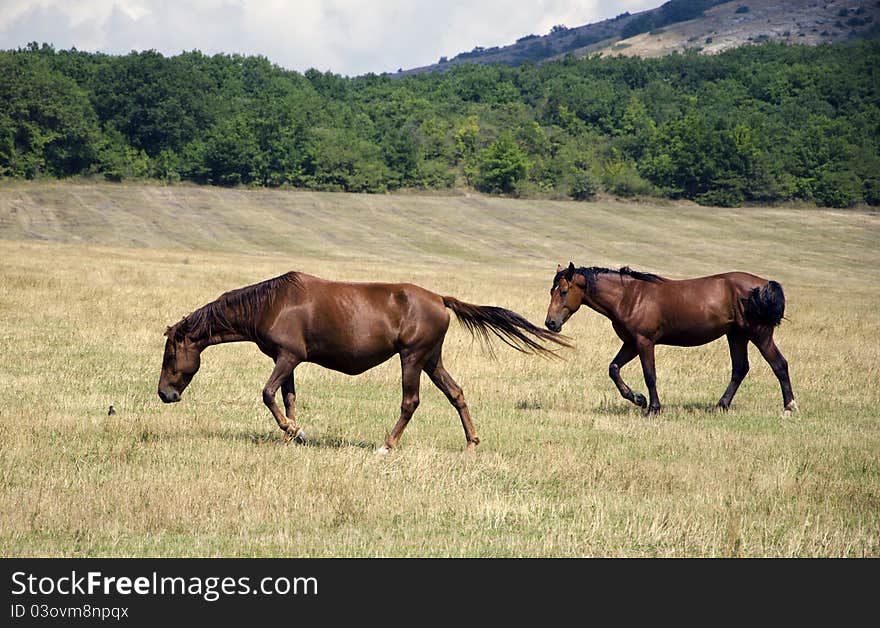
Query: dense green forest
[[763, 123]]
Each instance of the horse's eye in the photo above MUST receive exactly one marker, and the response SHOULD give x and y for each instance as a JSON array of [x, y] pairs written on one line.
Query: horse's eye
[[563, 293]]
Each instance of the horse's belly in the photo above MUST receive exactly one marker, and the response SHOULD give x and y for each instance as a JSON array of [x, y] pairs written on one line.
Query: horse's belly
[[351, 364], [691, 337]]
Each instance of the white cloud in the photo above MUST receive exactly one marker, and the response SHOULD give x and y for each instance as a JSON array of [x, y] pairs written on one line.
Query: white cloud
[[344, 36]]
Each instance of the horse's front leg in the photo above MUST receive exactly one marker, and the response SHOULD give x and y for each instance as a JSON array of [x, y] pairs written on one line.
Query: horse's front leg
[[646, 356], [624, 356], [282, 375], [288, 395]]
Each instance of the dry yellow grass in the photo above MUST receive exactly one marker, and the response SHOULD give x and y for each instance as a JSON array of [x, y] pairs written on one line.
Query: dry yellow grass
[[90, 275]]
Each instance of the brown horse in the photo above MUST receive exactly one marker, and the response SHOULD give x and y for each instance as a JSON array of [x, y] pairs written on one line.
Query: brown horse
[[647, 310], [347, 327]]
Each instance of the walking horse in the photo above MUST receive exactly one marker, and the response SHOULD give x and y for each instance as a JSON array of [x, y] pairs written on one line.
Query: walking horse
[[346, 327], [646, 310]]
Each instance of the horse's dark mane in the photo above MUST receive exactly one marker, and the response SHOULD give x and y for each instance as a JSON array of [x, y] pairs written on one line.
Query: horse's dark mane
[[589, 274], [635, 274], [235, 311]]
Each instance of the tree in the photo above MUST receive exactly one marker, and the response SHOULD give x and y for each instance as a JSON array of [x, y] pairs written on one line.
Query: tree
[[838, 189], [341, 161], [501, 165], [466, 138], [156, 103], [47, 125], [585, 187]]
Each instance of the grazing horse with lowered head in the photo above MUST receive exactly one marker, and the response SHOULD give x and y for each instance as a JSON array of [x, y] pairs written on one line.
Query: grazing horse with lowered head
[[346, 327], [647, 310]]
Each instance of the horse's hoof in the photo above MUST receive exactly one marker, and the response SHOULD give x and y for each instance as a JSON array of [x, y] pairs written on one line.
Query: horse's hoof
[[719, 408], [640, 400], [791, 407], [383, 451], [652, 412], [299, 436]]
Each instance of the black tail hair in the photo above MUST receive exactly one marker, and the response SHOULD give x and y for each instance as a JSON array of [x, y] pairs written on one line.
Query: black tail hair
[[765, 305], [506, 325]]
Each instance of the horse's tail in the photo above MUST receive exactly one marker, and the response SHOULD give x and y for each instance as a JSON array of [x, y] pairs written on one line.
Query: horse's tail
[[509, 326], [765, 304]]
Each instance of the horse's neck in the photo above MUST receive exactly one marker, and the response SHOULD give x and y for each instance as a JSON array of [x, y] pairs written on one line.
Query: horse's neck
[[607, 294], [216, 327]]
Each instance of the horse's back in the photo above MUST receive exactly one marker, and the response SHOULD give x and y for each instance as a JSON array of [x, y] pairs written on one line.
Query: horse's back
[[734, 278], [351, 327], [695, 311], [711, 288], [387, 297], [742, 280]]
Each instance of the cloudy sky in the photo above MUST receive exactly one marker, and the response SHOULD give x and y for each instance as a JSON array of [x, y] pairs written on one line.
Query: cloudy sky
[[349, 37]]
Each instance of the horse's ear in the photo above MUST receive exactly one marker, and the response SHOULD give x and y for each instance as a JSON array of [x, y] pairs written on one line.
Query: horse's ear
[[558, 268], [177, 331], [182, 329], [167, 331], [569, 272]]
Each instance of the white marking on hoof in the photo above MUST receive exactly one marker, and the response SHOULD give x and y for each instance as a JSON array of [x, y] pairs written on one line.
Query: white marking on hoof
[[383, 451], [791, 407]]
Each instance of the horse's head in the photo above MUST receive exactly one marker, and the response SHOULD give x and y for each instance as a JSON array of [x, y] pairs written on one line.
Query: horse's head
[[179, 364], [566, 296]]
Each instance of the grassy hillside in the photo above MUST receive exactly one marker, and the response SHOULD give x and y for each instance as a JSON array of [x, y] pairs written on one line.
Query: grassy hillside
[[91, 275]]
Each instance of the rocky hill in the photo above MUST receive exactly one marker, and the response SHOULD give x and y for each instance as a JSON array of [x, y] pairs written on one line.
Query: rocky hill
[[734, 24], [707, 26]]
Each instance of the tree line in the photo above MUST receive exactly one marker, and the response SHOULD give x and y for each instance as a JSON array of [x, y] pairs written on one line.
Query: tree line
[[762, 123]]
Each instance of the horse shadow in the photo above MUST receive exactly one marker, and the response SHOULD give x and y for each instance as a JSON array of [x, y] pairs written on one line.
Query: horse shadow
[[325, 441], [626, 409]]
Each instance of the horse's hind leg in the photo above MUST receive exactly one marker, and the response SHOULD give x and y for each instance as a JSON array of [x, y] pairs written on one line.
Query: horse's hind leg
[[779, 364], [282, 376], [738, 343], [624, 356], [448, 386], [411, 373], [646, 355]]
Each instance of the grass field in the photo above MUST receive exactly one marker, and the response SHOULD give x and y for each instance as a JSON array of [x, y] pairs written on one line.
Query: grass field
[[90, 276]]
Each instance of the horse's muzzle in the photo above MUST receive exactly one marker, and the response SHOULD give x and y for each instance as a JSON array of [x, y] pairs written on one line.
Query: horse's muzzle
[[169, 397], [552, 325]]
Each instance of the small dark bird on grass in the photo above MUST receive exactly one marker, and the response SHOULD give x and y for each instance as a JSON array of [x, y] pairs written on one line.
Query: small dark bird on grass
[[111, 411]]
